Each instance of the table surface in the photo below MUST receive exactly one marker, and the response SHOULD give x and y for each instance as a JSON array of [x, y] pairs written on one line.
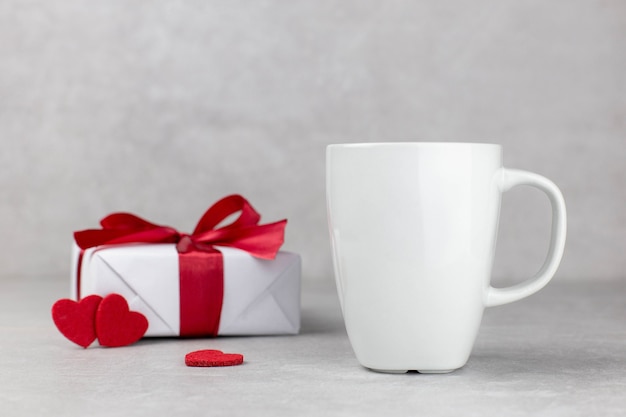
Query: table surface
[[561, 352]]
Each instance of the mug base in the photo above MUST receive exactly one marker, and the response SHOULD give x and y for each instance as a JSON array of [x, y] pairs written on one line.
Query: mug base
[[437, 371], [404, 371]]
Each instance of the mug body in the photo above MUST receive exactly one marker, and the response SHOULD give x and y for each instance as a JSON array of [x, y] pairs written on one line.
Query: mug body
[[413, 229]]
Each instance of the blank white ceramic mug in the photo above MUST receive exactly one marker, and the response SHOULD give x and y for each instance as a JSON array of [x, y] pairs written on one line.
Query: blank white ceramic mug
[[413, 232]]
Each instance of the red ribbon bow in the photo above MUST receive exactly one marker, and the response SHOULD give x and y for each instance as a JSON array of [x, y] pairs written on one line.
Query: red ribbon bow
[[201, 265], [261, 241]]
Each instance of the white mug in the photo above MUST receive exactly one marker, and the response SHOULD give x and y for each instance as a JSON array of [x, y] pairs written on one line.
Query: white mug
[[413, 233]]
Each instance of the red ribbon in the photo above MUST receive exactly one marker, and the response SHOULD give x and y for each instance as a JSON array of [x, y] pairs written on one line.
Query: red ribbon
[[201, 265]]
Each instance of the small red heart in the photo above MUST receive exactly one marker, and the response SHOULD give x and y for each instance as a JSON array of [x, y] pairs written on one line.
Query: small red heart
[[212, 358], [75, 320], [116, 325]]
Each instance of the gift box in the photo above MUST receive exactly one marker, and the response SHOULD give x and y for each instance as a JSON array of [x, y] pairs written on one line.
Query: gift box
[[231, 280]]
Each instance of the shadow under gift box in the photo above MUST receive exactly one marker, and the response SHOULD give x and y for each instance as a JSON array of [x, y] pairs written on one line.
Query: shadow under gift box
[[261, 297]]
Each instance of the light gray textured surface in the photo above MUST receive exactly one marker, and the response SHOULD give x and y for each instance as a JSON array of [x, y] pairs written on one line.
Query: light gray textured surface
[[560, 352], [162, 107]]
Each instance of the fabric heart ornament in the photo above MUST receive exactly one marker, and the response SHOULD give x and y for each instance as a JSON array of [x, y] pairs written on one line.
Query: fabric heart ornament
[[210, 357], [116, 325], [76, 320]]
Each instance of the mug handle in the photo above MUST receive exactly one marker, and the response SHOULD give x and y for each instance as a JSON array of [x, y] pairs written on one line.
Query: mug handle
[[508, 179]]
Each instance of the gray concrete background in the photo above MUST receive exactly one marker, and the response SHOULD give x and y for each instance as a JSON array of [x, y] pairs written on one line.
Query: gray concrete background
[[162, 107]]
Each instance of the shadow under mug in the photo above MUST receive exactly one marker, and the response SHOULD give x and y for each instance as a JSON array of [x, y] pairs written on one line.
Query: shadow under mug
[[413, 233]]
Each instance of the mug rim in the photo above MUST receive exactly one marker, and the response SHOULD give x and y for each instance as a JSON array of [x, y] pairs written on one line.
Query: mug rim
[[410, 144]]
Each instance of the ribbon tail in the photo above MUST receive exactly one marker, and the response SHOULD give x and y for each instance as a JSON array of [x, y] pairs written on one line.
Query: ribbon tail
[[260, 241]]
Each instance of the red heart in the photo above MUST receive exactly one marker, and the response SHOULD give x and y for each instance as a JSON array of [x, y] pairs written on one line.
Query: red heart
[[212, 358], [116, 325], [75, 320]]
